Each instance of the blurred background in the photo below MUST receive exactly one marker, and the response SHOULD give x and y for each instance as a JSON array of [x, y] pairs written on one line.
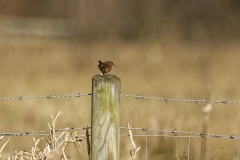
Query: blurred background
[[169, 48]]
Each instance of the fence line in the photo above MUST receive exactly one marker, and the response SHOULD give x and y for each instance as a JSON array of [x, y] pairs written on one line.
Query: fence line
[[136, 96], [173, 131], [86, 136]]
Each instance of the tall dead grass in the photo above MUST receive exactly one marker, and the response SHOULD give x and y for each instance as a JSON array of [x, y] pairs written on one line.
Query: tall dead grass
[[55, 146]]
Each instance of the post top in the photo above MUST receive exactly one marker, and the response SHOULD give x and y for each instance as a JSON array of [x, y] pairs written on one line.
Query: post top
[[107, 77]]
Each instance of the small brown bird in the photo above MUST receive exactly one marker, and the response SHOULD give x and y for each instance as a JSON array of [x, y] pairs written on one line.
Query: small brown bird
[[105, 67]]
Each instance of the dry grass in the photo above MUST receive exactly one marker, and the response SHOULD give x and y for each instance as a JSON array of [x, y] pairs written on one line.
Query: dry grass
[[49, 66], [55, 146]]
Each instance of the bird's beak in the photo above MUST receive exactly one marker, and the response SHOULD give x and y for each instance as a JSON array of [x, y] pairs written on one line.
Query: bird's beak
[[114, 66]]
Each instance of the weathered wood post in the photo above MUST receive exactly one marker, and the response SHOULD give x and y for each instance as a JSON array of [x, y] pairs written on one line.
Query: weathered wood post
[[105, 131]]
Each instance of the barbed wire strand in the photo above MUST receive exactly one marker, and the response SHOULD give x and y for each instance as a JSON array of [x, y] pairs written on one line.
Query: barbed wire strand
[[165, 99], [27, 133], [122, 135], [159, 135], [136, 96], [78, 95], [173, 131], [201, 134]]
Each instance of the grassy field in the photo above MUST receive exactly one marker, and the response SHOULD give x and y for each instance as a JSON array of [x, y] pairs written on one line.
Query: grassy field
[[49, 66]]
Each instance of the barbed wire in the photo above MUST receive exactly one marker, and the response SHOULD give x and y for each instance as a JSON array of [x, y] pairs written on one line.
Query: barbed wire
[[78, 95], [200, 134], [172, 131], [165, 99], [136, 96], [27, 133]]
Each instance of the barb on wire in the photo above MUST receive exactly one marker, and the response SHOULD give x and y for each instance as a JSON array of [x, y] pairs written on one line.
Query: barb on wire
[[78, 95], [165, 99], [20, 98], [49, 97]]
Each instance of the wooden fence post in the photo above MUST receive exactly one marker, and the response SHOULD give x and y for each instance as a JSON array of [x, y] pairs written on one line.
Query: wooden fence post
[[105, 118]]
